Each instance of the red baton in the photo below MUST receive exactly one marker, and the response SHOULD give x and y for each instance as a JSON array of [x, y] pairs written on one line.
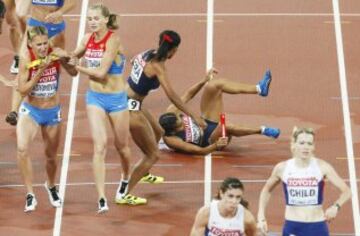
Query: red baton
[[222, 123]]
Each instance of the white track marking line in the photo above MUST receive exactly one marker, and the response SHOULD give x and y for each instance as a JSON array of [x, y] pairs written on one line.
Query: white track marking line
[[346, 114], [69, 128], [288, 14]]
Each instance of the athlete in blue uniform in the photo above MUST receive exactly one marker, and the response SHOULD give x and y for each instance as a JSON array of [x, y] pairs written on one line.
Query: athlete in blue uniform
[[149, 73], [40, 109], [302, 178], [182, 134], [106, 98]]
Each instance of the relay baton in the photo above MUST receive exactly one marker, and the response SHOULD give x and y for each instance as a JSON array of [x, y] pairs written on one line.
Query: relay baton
[[222, 123]]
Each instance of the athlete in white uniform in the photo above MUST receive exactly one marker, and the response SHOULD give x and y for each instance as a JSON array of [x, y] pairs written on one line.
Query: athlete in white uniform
[[227, 216], [303, 181]]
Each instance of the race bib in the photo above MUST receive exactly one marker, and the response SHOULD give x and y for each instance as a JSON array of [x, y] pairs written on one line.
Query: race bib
[[137, 69], [304, 191], [133, 105]]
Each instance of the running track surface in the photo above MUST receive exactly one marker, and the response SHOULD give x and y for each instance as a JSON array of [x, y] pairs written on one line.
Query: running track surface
[[297, 43]]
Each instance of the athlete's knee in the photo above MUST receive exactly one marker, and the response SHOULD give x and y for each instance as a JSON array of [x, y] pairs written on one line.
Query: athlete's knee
[[22, 152], [100, 149], [123, 150]]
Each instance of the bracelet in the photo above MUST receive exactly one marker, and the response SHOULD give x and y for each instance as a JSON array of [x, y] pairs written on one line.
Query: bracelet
[[337, 205]]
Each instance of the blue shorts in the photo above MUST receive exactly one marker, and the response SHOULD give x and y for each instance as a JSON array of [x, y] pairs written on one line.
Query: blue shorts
[[53, 29], [293, 228], [109, 102], [211, 126], [43, 117]]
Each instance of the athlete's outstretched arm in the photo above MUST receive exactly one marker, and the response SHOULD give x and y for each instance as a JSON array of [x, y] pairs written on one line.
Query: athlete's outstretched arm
[[250, 224]]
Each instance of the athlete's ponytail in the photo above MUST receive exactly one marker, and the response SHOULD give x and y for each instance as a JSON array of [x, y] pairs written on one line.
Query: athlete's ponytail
[[168, 40], [112, 22]]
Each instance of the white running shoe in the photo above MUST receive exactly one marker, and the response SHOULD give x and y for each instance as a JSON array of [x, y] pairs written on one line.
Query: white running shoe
[[14, 69], [53, 196], [30, 203], [102, 206], [122, 190]]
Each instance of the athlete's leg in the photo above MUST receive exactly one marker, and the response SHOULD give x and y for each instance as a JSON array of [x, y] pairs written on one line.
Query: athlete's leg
[[97, 119], [144, 138], [120, 125], [22, 10], [25, 133], [51, 136], [158, 131], [59, 40]]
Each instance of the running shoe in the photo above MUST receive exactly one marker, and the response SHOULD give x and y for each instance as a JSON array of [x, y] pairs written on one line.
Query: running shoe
[[53, 196], [30, 203], [122, 189], [152, 179], [264, 85], [14, 69], [102, 206], [270, 132], [131, 200], [12, 118]]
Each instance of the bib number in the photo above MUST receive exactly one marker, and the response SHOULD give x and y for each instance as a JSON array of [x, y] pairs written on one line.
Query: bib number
[[136, 71], [133, 105]]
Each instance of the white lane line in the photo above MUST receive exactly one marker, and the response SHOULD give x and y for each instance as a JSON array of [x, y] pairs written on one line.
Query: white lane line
[[69, 128], [252, 166], [350, 98], [347, 119]]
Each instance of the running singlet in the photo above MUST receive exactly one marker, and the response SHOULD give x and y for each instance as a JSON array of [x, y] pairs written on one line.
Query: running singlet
[[58, 3], [192, 133], [220, 226], [95, 51], [48, 83], [303, 186], [137, 80]]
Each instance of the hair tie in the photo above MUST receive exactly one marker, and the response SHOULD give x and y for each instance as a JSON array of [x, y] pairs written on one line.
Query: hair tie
[[167, 38]]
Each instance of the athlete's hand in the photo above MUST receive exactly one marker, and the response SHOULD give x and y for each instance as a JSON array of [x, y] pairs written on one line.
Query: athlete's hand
[[74, 61], [262, 227], [53, 17], [45, 63], [222, 142], [210, 74], [331, 213]]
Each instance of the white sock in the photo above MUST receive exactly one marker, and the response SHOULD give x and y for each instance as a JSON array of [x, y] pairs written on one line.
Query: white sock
[[262, 129], [258, 89]]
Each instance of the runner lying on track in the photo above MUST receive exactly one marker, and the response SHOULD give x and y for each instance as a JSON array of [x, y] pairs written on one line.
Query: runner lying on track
[[182, 134]]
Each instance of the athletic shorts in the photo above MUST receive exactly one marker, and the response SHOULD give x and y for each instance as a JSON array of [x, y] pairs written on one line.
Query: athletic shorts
[[211, 126], [53, 29], [293, 228], [42, 117], [109, 102]]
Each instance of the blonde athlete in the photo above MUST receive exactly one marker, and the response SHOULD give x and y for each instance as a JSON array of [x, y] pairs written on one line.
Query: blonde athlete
[[48, 14], [302, 178], [106, 98], [40, 109], [227, 215]]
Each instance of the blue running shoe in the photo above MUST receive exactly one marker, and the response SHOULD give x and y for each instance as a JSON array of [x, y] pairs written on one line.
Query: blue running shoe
[[264, 84], [270, 132]]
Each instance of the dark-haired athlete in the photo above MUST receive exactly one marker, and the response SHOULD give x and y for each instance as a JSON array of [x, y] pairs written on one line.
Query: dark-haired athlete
[[149, 73], [181, 134]]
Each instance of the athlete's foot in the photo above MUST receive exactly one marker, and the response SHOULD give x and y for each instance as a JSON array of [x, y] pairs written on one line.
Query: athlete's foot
[[263, 86], [152, 179], [12, 118], [270, 132], [30, 203], [131, 200], [53, 194], [14, 69], [122, 190], [102, 206]]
